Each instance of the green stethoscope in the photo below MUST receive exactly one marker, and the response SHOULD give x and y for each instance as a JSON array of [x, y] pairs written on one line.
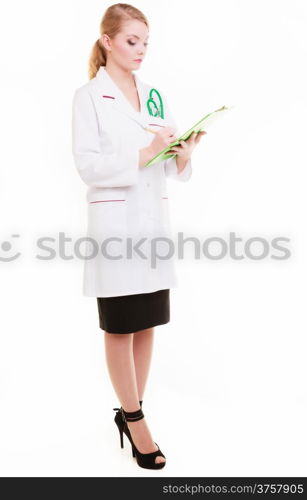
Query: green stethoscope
[[151, 102]]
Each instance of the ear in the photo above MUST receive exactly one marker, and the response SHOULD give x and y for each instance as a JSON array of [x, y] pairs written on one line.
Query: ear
[[105, 41]]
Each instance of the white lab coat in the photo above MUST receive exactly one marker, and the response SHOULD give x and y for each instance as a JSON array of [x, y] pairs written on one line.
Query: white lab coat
[[125, 202]]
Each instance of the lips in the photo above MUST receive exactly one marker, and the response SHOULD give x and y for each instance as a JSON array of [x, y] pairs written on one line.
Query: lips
[[138, 60]]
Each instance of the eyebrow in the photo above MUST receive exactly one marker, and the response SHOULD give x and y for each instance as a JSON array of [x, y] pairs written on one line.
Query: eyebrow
[[131, 34]]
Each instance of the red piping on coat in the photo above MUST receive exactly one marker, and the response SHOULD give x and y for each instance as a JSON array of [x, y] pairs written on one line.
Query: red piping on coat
[[100, 201], [109, 96]]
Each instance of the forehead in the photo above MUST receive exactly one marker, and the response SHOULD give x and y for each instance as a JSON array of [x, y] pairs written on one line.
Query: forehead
[[135, 28]]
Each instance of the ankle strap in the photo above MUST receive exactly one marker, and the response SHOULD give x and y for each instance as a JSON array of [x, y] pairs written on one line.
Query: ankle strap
[[133, 416], [141, 402]]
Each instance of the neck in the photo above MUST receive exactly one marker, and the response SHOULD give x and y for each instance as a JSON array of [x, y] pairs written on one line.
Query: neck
[[122, 77]]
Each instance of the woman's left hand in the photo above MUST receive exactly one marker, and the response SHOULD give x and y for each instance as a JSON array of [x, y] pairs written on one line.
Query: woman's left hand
[[184, 150]]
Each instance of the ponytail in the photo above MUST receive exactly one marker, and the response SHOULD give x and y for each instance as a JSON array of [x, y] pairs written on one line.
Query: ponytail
[[97, 59]]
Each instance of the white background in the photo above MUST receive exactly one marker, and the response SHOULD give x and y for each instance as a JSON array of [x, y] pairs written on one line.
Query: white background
[[226, 394]]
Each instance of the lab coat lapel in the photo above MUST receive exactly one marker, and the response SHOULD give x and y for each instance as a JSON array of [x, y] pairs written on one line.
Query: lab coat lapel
[[110, 92]]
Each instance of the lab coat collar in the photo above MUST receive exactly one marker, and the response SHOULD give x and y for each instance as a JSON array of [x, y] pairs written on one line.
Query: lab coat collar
[[111, 92]]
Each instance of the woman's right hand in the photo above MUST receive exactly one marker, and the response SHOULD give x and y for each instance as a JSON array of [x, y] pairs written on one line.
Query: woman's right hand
[[163, 137]]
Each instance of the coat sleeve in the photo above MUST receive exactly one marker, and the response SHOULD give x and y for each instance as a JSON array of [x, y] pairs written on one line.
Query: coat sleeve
[[170, 166], [95, 167]]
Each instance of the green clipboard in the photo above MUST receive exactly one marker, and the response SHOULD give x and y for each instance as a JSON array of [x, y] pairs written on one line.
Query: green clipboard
[[206, 120]]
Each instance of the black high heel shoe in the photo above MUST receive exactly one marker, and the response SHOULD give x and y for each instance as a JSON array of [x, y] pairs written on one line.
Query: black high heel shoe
[[145, 460], [119, 420]]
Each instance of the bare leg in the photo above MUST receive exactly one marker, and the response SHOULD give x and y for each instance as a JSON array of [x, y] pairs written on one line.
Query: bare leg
[[142, 353], [119, 357], [120, 363]]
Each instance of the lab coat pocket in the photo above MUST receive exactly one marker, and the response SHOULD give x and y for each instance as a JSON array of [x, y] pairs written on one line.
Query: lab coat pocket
[[111, 195], [107, 212]]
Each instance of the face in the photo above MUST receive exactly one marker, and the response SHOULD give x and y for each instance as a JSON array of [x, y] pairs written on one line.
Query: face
[[128, 48]]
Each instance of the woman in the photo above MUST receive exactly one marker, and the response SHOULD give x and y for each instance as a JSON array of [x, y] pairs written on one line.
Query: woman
[[114, 115]]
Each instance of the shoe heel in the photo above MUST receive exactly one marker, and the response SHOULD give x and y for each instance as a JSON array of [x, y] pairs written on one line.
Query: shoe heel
[[121, 435], [119, 420]]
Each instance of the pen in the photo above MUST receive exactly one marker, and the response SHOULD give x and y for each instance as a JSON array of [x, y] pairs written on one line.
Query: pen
[[153, 131], [149, 130]]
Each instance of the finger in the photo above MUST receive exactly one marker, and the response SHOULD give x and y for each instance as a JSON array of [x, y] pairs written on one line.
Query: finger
[[192, 137], [199, 136]]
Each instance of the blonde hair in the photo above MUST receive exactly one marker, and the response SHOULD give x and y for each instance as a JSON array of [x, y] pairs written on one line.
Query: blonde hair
[[110, 25]]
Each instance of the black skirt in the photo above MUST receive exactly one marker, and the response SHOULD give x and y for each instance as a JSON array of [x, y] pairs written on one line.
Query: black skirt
[[131, 313]]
